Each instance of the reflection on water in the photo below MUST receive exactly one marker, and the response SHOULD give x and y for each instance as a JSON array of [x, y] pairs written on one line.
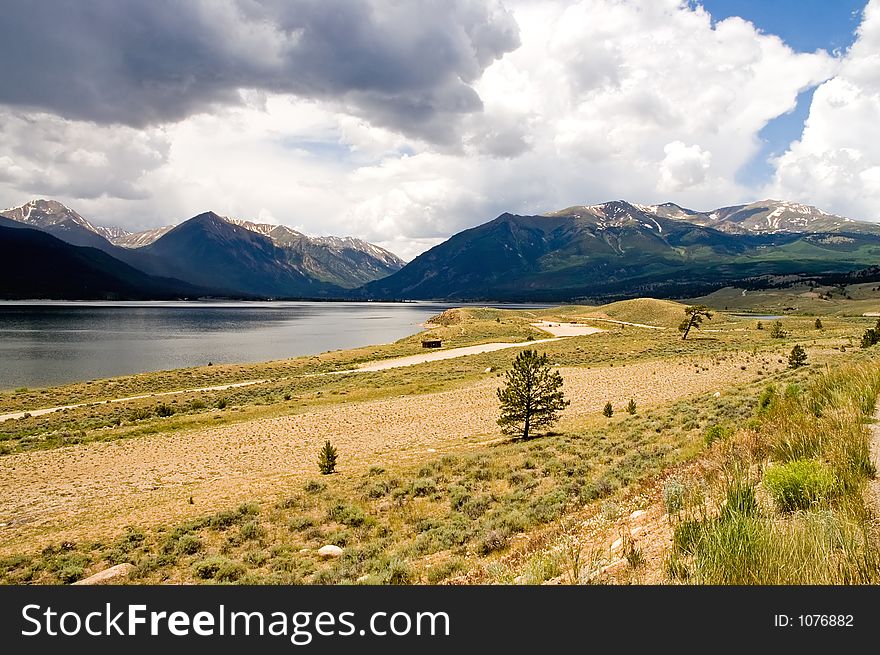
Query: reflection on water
[[45, 343]]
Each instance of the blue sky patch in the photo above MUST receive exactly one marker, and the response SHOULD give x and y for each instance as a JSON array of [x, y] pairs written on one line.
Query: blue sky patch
[[806, 26]]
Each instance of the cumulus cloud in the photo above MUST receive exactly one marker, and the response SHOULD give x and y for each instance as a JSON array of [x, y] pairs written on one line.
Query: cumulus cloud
[[48, 155], [405, 64], [405, 122], [836, 162], [683, 166]]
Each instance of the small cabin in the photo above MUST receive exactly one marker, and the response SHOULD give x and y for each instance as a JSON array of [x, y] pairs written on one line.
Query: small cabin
[[432, 343]]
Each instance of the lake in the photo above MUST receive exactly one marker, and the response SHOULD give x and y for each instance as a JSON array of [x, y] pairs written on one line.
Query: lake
[[47, 343]]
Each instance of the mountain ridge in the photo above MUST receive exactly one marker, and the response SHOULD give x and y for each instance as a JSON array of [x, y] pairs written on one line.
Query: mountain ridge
[[76, 272], [611, 250], [329, 262], [618, 249]]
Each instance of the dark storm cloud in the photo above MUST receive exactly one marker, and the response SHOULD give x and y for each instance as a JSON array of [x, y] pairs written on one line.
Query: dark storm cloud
[[406, 65]]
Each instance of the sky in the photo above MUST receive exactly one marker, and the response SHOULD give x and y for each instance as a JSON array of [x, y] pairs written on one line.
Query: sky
[[405, 122]]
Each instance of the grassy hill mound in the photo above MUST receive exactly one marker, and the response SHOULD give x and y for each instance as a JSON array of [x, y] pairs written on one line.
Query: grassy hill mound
[[662, 313]]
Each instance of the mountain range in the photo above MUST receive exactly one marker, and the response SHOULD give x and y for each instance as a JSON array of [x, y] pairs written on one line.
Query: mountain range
[[218, 255], [611, 250], [618, 249]]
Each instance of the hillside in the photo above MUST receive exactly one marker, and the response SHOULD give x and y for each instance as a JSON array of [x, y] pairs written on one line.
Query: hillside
[[343, 261], [615, 250], [263, 260], [37, 265], [648, 311], [211, 251]]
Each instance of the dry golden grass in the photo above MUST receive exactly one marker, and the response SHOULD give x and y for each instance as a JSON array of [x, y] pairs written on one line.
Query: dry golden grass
[[88, 490]]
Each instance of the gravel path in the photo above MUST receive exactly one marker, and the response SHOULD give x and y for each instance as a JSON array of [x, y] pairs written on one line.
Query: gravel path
[[452, 353], [874, 485], [49, 410]]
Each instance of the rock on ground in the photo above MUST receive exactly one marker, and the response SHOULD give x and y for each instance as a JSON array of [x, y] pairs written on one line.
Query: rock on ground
[[118, 571], [330, 551]]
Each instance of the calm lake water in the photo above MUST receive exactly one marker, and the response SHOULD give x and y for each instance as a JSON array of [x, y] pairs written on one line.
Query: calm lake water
[[47, 343]]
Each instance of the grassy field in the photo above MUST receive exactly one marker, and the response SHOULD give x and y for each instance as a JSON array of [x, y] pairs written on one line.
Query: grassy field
[[851, 300], [223, 486]]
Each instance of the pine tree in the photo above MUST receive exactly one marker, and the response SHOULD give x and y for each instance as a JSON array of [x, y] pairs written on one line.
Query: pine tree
[[798, 357], [819, 325], [693, 318], [532, 396], [631, 406], [608, 410], [777, 332], [327, 459]]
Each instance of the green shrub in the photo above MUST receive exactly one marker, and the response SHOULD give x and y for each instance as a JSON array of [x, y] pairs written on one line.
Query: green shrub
[[207, 568], [379, 489], [229, 571], [350, 515], [492, 541], [221, 403], [252, 530], [188, 544], [631, 406], [767, 398], [799, 484], [218, 568], [439, 572], [793, 390], [299, 523], [608, 410], [717, 433], [458, 496], [256, 557], [140, 413], [475, 507], [398, 573], [164, 410], [424, 487]]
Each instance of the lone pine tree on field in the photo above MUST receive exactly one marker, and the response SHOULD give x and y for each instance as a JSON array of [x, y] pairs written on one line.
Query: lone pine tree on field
[[693, 317], [798, 357], [532, 396], [327, 459], [777, 331]]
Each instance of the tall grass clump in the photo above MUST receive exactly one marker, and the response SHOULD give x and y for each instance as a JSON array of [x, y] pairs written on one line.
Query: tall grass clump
[[806, 520], [799, 484]]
